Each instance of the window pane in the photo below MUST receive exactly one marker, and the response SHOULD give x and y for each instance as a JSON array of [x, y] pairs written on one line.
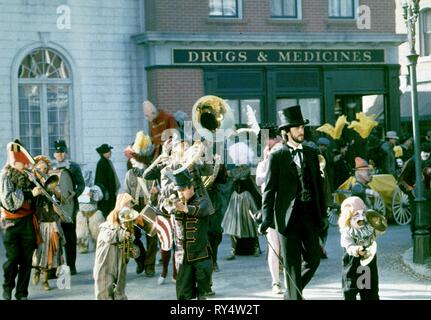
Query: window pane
[[276, 8], [234, 105], [43, 63], [333, 8], [310, 108], [427, 23], [255, 105], [58, 114], [427, 44], [29, 119], [216, 8], [290, 8], [346, 8], [229, 8]]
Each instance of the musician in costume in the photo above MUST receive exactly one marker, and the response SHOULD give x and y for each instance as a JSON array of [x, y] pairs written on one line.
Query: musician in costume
[[48, 255], [160, 121], [192, 253], [88, 218], [293, 202], [143, 193], [69, 228], [113, 251], [20, 228], [359, 230], [363, 177]]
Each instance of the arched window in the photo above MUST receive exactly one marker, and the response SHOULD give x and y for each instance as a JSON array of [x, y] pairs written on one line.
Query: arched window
[[44, 91]]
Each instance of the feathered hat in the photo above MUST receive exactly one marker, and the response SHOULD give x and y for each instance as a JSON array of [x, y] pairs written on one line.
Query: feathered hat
[[334, 132], [365, 124], [142, 147]]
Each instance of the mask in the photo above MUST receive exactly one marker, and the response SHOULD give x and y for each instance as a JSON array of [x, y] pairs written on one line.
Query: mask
[[358, 220]]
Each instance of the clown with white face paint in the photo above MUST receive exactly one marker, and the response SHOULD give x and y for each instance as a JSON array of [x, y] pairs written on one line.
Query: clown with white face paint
[[359, 229]]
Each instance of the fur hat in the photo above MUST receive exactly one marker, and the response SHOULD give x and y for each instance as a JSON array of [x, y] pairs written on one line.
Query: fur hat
[[60, 146]]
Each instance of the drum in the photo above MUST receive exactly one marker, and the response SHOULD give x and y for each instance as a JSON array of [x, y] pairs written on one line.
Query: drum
[[66, 186], [149, 214]]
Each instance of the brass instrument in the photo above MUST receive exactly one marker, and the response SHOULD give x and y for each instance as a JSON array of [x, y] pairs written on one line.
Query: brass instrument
[[127, 217], [49, 195], [377, 220], [211, 113]]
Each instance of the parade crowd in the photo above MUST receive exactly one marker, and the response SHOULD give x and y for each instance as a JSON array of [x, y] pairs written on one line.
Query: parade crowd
[[175, 203]]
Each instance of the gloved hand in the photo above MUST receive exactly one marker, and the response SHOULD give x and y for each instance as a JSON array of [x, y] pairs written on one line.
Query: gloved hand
[[263, 227]]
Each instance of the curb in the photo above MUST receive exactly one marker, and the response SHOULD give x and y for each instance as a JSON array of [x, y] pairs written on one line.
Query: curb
[[423, 270]]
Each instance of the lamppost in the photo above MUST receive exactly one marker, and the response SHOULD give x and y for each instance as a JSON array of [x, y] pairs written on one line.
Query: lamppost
[[421, 236]]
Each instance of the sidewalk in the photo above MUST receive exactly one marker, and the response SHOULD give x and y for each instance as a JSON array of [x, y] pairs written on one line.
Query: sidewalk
[[421, 270]]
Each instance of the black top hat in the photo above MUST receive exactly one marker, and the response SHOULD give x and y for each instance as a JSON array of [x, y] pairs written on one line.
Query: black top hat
[[104, 148], [180, 177], [60, 146], [291, 117]]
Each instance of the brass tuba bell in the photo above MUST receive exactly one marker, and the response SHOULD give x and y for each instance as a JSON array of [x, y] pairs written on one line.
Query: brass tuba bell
[[211, 114], [377, 220]]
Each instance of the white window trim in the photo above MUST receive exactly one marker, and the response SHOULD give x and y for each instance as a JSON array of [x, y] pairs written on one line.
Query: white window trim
[[423, 57], [239, 10], [298, 13], [355, 12], [74, 99]]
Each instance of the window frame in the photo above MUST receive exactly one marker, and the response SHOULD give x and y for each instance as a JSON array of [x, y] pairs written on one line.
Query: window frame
[[223, 16], [298, 11], [425, 46], [43, 83], [351, 17]]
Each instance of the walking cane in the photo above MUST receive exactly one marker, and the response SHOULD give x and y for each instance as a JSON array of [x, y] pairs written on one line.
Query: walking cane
[[278, 257]]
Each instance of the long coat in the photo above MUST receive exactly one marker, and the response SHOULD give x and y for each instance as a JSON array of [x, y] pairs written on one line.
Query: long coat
[[280, 191], [107, 179]]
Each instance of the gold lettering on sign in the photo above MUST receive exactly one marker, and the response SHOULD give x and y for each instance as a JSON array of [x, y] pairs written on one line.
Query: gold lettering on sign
[[242, 56], [308, 56], [367, 56], [345, 56], [230, 56], [193, 56], [206, 56], [283, 57]]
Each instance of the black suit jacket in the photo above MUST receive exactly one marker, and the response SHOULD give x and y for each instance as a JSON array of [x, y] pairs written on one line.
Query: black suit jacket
[[281, 189]]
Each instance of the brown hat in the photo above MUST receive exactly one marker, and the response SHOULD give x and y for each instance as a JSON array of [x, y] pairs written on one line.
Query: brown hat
[[361, 164]]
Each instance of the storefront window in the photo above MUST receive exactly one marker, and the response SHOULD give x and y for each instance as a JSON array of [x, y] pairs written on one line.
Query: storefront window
[[239, 109], [224, 8], [43, 91], [426, 33], [310, 108], [284, 8], [342, 9]]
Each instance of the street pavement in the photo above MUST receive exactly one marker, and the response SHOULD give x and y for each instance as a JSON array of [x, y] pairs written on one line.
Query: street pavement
[[248, 278]]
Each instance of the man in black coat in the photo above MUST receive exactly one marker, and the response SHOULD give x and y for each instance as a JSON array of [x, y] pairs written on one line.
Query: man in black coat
[[106, 176], [293, 202], [69, 228]]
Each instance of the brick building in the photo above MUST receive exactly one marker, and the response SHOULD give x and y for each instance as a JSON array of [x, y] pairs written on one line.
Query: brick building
[[331, 56]]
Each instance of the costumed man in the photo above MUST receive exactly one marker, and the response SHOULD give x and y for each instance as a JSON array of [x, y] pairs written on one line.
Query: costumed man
[[407, 178], [88, 218], [193, 255], [113, 251], [18, 206], [48, 255], [107, 178], [293, 202], [143, 192], [363, 177], [359, 229], [69, 228], [274, 143], [388, 163], [160, 121]]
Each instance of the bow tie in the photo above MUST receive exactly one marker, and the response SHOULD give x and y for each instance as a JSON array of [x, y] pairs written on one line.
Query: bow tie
[[294, 151]]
